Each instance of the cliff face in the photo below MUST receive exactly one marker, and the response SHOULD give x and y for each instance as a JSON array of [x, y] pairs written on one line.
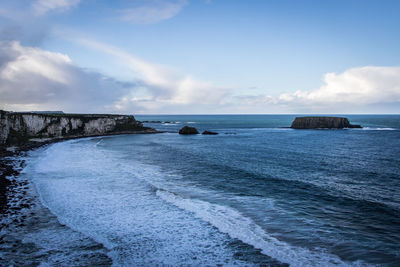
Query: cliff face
[[322, 122], [18, 128]]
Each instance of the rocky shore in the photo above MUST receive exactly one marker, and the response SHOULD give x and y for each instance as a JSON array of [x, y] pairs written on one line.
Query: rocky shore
[[10, 168], [24, 221], [21, 132]]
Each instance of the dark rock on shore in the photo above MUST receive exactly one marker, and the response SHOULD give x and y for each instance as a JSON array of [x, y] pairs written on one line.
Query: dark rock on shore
[[321, 122], [209, 133], [6, 169], [188, 130]]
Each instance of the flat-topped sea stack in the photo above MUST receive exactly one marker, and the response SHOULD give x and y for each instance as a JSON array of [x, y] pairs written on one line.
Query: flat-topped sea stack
[[322, 122]]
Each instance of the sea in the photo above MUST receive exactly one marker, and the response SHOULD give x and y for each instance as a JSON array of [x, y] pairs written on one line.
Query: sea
[[256, 194]]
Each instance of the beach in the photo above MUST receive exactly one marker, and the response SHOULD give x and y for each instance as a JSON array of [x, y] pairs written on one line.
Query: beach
[[23, 217]]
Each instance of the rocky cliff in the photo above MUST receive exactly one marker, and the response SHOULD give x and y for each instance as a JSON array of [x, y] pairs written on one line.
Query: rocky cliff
[[17, 128], [322, 122]]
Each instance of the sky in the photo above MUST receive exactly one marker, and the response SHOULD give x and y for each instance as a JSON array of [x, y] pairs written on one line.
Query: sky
[[200, 56]]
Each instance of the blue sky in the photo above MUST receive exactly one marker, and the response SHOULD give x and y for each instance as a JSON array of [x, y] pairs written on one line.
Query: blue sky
[[178, 56]]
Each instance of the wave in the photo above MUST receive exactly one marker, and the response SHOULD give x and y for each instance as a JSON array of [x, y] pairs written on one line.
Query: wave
[[112, 221], [92, 190], [378, 129], [99, 142], [233, 223]]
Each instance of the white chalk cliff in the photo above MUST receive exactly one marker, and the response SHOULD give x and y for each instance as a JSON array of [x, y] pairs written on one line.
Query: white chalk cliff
[[20, 127]]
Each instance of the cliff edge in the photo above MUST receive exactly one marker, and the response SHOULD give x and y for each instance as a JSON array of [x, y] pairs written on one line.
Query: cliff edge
[[19, 127], [321, 122]]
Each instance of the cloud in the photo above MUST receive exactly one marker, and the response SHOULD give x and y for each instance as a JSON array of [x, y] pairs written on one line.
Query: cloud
[[355, 90], [153, 11], [163, 86], [35, 79], [41, 7], [356, 86]]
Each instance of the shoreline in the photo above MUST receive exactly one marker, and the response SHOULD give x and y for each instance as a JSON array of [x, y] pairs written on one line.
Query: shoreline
[[8, 168], [27, 227], [20, 206]]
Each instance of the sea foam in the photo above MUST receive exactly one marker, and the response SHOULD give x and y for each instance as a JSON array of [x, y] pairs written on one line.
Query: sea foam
[[92, 190], [233, 223], [133, 210]]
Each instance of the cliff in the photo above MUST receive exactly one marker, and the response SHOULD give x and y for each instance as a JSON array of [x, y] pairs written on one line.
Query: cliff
[[322, 122], [19, 128]]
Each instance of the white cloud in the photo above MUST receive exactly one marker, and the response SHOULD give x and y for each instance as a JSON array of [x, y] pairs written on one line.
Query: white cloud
[[32, 78], [36, 62], [354, 90], [164, 87], [356, 86], [153, 11], [41, 7]]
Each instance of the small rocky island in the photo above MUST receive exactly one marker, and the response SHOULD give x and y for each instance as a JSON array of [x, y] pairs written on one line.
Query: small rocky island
[[209, 133], [193, 130], [188, 130], [322, 122]]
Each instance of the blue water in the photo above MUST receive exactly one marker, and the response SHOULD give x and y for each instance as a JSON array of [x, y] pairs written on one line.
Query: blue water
[[256, 193]]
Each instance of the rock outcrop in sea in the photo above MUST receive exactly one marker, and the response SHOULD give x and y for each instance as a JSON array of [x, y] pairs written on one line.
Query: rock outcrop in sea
[[209, 133], [20, 127], [188, 130], [322, 122]]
